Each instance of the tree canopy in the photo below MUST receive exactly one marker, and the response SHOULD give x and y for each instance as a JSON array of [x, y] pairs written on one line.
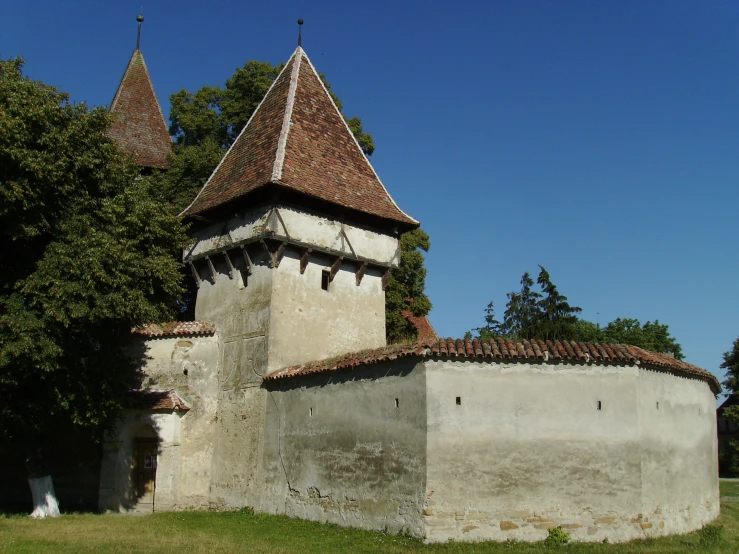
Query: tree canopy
[[87, 252], [205, 123], [731, 365], [548, 315]]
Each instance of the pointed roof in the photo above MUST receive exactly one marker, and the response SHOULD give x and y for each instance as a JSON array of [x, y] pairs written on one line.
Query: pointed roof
[[297, 139], [139, 126]]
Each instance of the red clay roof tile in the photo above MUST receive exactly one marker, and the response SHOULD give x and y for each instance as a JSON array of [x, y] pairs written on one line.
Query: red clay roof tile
[[139, 127], [176, 329], [498, 350], [298, 139], [156, 400]]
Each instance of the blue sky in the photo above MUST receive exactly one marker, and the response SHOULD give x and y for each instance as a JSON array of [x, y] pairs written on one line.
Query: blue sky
[[598, 139]]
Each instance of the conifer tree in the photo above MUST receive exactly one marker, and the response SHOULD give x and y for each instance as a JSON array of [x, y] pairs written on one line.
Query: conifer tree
[[556, 319]]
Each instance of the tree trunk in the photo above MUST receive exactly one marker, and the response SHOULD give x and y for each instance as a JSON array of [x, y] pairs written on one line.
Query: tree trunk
[[39, 479], [44, 499]]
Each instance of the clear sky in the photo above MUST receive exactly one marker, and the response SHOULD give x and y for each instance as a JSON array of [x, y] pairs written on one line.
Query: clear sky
[[597, 138]]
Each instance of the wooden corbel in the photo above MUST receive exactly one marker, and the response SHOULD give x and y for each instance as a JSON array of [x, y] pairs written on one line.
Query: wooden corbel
[[231, 270], [211, 268], [360, 272], [195, 274], [247, 259], [266, 249], [277, 258], [335, 268], [304, 259], [385, 278]]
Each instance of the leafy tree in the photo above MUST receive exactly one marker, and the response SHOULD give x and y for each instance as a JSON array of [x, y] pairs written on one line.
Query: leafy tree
[[650, 336], [556, 318], [405, 289], [86, 252], [522, 311], [730, 456], [731, 365]]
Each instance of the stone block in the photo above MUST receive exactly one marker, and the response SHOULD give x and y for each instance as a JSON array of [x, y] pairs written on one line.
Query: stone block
[[439, 522], [507, 526], [570, 526], [468, 528], [518, 514], [537, 519], [545, 525], [429, 512], [477, 515], [645, 525], [605, 520]]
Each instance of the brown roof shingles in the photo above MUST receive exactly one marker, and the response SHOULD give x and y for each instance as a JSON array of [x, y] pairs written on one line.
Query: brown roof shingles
[[139, 127], [176, 329], [502, 349], [297, 139], [154, 400]]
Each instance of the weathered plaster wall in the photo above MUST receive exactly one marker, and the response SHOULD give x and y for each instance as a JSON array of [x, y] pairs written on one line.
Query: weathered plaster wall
[[240, 307], [117, 490], [527, 449], [302, 226], [190, 366], [338, 449], [308, 323]]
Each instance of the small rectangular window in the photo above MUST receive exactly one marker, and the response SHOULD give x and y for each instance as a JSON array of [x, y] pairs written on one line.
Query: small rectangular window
[[325, 278], [658, 405], [397, 403], [600, 405], [459, 401], [311, 412]]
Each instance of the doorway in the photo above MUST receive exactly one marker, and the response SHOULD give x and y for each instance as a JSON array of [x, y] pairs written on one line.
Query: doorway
[[145, 452]]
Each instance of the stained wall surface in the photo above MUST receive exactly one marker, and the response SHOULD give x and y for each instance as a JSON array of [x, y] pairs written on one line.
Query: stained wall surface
[[188, 365], [516, 449], [348, 449]]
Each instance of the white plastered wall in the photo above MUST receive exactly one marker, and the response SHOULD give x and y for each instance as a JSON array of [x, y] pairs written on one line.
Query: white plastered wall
[[527, 449]]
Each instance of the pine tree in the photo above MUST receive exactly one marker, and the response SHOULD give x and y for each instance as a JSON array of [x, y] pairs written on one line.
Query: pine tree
[[522, 311], [556, 319]]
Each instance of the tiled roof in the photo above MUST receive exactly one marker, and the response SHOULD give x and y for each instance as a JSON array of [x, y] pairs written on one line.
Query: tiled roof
[[501, 349], [176, 329], [139, 126], [422, 325], [298, 139], [167, 400]]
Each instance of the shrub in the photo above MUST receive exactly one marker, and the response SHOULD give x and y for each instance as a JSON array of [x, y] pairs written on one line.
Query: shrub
[[557, 537]]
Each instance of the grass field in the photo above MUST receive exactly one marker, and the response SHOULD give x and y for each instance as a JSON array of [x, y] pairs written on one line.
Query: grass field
[[242, 531]]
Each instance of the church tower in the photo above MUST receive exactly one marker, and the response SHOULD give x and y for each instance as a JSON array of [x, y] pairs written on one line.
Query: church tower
[[294, 235], [139, 127]]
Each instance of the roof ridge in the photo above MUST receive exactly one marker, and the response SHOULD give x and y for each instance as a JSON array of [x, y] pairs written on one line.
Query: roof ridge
[[286, 120], [235, 142], [356, 142], [465, 349]]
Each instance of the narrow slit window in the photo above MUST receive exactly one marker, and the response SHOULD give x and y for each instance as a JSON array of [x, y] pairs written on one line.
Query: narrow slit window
[[311, 412], [397, 403], [325, 279], [600, 405], [658, 405], [459, 401]]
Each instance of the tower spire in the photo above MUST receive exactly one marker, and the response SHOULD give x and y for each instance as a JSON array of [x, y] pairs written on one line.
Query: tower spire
[[140, 19], [300, 32]]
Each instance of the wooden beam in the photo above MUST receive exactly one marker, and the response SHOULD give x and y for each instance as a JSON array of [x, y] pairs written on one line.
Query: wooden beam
[[277, 258], [266, 249], [279, 216], [335, 268], [304, 259], [247, 260], [360, 272], [211, 268], [231, 270], [195, 274], [385, 278]]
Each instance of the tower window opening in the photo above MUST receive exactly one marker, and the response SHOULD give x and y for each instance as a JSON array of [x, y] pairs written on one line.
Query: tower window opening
[[310, 412], [600, 405], [325, 279], [397, 403], [459, 401]]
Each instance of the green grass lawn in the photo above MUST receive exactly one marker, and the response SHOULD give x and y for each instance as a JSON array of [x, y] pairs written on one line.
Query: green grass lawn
[[216, 532]]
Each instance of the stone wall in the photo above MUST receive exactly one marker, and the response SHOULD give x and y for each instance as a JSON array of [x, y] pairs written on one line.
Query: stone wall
[[348, 448], [516, 449]]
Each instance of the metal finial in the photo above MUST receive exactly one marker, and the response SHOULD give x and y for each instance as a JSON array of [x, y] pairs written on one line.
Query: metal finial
[[300, 32], [140, 19]]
